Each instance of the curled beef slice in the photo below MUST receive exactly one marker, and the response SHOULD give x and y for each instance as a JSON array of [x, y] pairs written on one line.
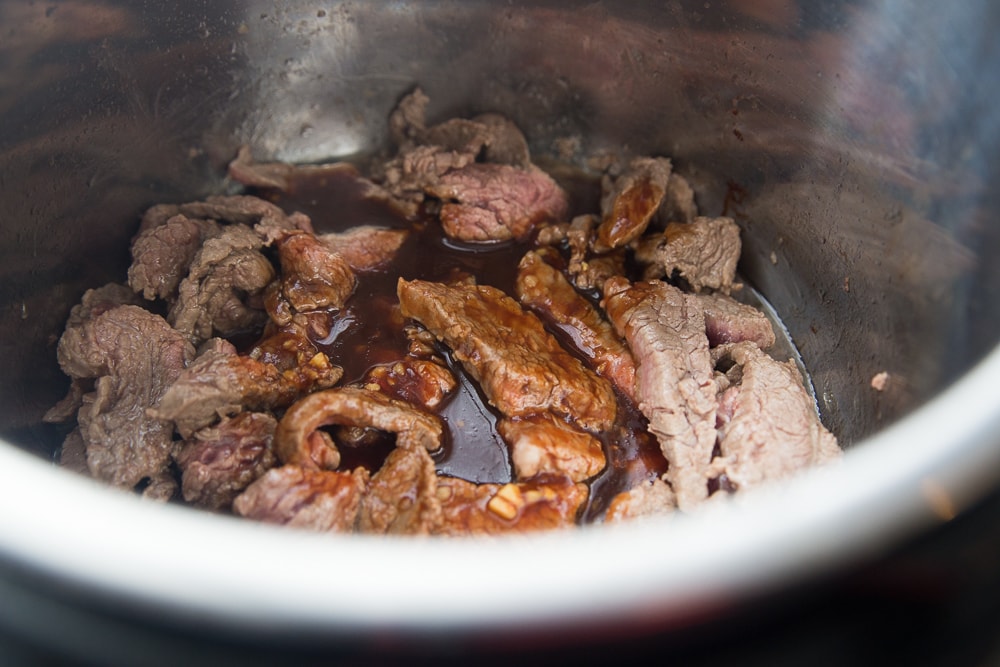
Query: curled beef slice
[[649, 498], [768, 425], [665, 330], [320, 500], [494, 202], [521, 368], [266, 218], [313, 276], [218, 462], [544, 289], [631, 200], [402, 496], [403, 180], [212, 298], [543, 503], [366, 247], [221, 383], [299, 439], [704, 252], [133, 355], [162, 255], [729, 321], [546, 444]]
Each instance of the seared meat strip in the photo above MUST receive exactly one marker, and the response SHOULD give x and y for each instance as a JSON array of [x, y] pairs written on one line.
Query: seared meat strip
[[319, 500], [218, 462], [422, 382], [729, 321], [493, 202], [631, 200], [547, 444], [544, 289], [665, 330], [212, 298], [705, 253], [366, 248], [649, 498], [407, 497], [266, 218], [162, 255], [520, 366], [221, 383], [134, 355], [313, 276], [768, 426], [299, 439]]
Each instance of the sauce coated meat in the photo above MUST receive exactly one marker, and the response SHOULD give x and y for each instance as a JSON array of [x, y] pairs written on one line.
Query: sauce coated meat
[[440, 344]]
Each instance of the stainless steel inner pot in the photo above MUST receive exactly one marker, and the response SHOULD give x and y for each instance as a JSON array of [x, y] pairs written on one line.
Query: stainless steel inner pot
[[856, 143]]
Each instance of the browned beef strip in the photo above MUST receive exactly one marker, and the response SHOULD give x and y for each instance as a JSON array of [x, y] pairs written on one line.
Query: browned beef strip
[[162, 255], [520, 366], [134, 355], [402, 496], [313, 276], [678, 203], [729, 321], [543, 503], [768, 425], [319, 500], [408, 121], [505, 144], [266, 218], [366, 247], [212, 298], [543, 288], [547, 444], [220, 383], [403, 181], [665, 330], [494, 202], [299, 439], [631, 200], [422, 382], [218, 462], [649, 498], [705, 253]]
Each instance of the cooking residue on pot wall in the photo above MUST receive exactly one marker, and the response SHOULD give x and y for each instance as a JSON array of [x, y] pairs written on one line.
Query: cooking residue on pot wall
[[440, 346]]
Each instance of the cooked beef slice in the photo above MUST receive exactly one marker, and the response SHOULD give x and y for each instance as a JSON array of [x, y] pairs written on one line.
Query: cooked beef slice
[[320, 500], [299, 439], [403, 180], [282, 175], [631, 200], [494, 202], [220, 384], [100, 300], [521, 368], [218, 462], [408, 121], [768, 425], [212, 298], [366, 247], [67, 406], [665, 330], [729, 321], [402, 496], [421, 382], [133, 355], [649, 498], [266, 218], [678, 203], [547, 444], [313, 276], [543, 288], [704, 252], [543, 503], [162, 255]]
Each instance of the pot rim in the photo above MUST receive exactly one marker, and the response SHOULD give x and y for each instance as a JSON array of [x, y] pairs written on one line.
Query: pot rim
[[171, 560]]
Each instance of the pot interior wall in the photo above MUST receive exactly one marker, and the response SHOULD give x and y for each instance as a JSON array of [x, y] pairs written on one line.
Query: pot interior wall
[[852, 144]]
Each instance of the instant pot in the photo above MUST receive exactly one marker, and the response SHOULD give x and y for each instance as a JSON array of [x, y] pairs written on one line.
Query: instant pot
[[856, 143]]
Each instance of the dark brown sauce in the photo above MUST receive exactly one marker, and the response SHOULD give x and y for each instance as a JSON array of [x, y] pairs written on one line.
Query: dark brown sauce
[[370, 331]]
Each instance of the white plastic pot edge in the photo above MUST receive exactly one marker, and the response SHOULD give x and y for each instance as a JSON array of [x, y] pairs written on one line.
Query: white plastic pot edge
[[181, 561]]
